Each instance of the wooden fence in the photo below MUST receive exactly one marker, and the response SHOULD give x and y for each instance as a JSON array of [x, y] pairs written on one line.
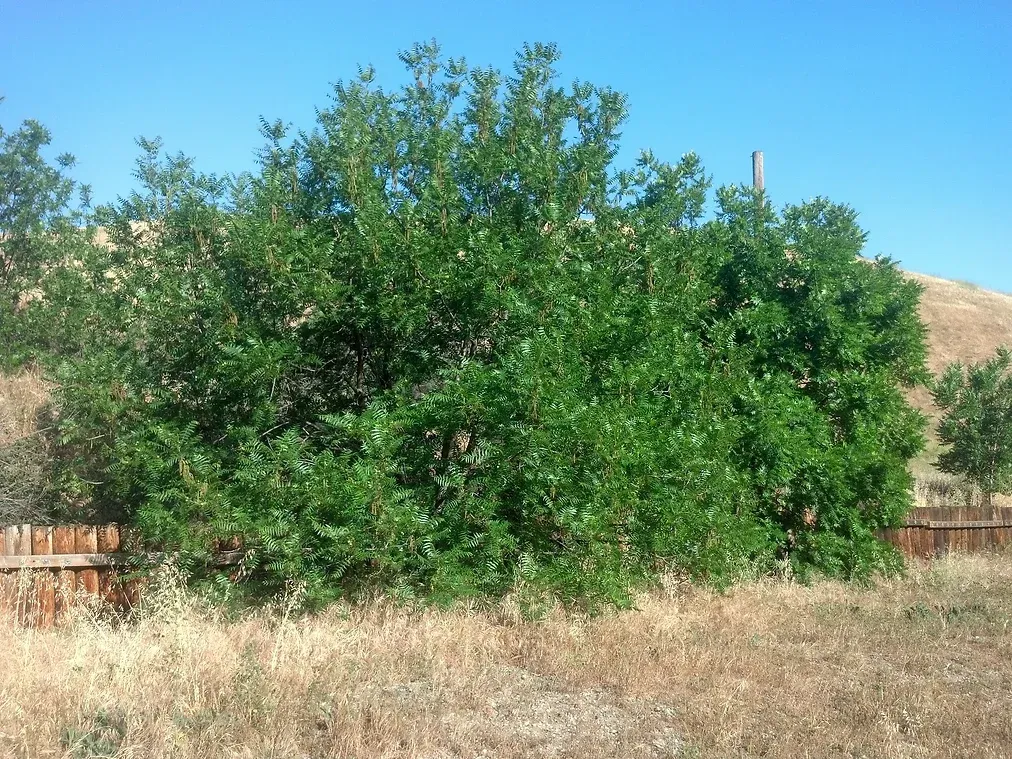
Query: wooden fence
[[64, 564], [46, 569], [931, 531]]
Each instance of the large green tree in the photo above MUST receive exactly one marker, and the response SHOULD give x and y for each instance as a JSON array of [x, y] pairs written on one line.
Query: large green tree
[[442, 344]]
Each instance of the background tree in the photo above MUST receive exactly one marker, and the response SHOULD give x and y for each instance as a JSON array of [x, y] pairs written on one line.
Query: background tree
[[34, 195], [38, 235], [976, 401]]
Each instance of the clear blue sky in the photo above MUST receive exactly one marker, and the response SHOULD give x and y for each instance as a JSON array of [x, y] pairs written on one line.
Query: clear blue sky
[[901, 109]]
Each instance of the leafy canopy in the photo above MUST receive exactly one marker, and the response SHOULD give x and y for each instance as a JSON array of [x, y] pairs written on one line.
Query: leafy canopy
[[440, 344]]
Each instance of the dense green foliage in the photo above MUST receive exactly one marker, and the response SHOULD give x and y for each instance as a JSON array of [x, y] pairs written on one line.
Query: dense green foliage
[[976, 401], [38, 225], [441, 345]]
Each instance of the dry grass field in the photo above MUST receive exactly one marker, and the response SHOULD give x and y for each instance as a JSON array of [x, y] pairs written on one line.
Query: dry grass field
[[919, 666]]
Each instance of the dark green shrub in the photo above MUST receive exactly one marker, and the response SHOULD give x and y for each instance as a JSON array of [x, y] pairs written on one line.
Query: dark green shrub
[[439, 344]]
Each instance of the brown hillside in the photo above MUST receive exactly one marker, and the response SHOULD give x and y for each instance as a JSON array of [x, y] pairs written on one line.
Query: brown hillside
[[965, 323]]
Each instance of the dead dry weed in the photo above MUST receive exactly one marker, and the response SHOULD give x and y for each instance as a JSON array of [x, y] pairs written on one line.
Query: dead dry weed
[[24, 456], [911, 667], [23, 397]]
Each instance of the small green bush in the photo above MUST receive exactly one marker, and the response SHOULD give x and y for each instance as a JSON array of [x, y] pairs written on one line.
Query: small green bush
[[976, 402]]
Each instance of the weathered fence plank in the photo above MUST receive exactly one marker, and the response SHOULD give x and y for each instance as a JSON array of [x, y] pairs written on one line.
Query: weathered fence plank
[[86, 542], [63, 544], [108, 545], [80, 561]]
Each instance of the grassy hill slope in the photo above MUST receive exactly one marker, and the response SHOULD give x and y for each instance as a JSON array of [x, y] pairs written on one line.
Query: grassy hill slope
[[965, 322]]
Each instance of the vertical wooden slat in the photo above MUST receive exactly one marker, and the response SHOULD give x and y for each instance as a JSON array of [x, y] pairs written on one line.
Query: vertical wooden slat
[[130, 543], [42, 541], [63, 542], [18, 539], [86, 541], [44, 586], [132, 594], [108, 541], [107, 538]]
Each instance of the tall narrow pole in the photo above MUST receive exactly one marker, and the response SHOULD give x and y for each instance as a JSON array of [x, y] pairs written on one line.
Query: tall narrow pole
[[757, 170], [757, 173]]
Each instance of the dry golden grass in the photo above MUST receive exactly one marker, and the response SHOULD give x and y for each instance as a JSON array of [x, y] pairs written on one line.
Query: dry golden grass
[[24, 458], [23, 396], [965, 322], [914, 667]]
